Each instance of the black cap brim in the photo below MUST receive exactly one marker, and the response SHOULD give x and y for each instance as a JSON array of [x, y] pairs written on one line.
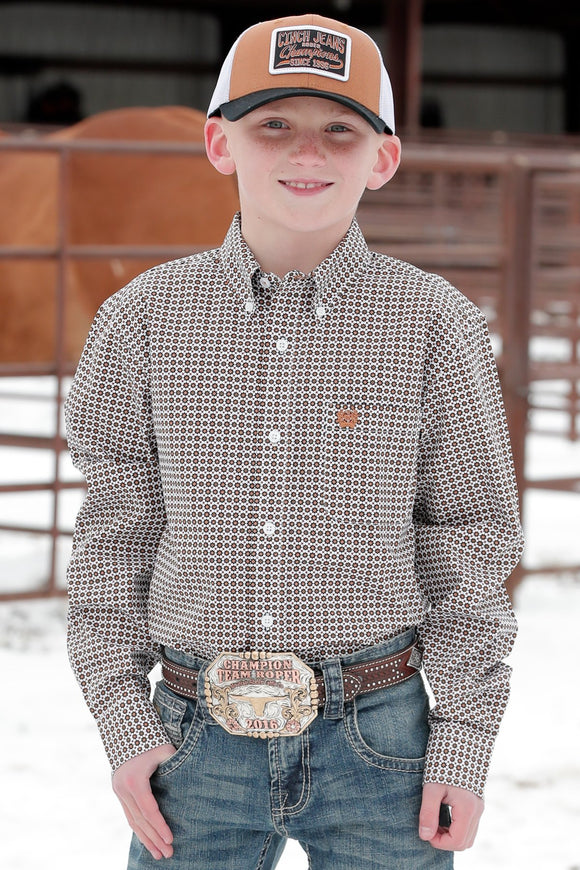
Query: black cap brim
[[236, 109]]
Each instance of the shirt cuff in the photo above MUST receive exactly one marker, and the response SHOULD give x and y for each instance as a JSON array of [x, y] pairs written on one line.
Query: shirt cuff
[[130, 728], [458, 756]]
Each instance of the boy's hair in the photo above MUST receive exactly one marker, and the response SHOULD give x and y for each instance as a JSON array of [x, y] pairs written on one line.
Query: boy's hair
[[305, 55]]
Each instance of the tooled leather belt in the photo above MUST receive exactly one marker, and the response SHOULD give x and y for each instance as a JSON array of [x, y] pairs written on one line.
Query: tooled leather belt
[[357, 679]]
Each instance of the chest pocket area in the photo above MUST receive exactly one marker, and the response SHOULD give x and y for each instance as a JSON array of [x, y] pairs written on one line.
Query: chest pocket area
[[365, 460]]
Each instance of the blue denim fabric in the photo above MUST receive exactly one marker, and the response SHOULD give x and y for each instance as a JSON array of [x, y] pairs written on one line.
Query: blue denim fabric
[[348, 788]]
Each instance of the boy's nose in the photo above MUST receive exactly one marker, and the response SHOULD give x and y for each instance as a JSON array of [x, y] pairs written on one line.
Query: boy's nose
[[307, 151]]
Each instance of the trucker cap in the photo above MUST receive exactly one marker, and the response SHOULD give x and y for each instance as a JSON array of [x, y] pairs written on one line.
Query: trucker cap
[[305, 55]]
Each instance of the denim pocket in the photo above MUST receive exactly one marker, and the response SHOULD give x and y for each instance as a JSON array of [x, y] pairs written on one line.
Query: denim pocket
[[181, 722], [389, 728]]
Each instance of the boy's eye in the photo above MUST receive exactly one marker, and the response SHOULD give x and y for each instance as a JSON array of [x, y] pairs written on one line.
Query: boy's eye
[[338, 128], [274, 124]]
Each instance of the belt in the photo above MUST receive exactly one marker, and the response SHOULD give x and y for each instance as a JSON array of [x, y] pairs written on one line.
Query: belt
[[357, 679]]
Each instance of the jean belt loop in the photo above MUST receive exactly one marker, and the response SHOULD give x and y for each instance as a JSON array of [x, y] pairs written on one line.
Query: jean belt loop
[[333, 683]]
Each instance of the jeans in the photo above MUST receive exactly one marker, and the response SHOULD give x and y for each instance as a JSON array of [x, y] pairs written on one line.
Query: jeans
[[348, 788]]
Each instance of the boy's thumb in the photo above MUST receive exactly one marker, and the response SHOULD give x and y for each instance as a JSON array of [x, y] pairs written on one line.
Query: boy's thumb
[[429, 815]]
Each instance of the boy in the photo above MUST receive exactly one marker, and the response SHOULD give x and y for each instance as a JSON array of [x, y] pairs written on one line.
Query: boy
[[299, 486]]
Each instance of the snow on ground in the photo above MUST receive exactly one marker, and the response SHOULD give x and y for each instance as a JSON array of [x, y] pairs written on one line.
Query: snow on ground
[[56, 804]]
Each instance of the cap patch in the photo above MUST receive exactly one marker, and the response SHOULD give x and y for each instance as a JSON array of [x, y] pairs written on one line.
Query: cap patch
[[315, 50]]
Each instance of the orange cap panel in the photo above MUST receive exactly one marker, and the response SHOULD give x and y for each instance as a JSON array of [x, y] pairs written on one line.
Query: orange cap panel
[[250, 68]]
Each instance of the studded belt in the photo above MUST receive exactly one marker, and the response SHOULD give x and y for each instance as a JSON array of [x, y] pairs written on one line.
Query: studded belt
[[261, 694]]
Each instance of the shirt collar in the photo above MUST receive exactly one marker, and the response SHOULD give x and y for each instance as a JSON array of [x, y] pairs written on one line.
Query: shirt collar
[[344, 264]]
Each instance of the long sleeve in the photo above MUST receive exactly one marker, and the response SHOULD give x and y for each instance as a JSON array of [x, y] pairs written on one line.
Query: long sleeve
[[468, 541], [117, 531]]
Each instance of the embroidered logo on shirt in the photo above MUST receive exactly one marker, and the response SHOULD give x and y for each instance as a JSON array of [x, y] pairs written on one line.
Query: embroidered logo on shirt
[[347, 417], [314, 50]]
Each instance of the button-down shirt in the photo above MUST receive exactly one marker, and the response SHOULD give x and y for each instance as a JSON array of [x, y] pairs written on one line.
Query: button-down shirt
[[313, 463]]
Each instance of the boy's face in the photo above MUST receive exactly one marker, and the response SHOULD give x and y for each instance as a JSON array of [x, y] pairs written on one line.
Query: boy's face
[[302, 163]]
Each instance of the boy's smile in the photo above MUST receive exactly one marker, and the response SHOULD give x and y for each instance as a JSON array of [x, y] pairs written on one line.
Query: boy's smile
[[306, 187], [302, 164]]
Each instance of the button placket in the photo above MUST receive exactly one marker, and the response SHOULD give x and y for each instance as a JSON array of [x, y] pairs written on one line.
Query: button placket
[[274, 464]]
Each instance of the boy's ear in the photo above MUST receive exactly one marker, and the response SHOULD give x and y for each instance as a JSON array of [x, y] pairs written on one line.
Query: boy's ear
[[387, 162], [217, 148]]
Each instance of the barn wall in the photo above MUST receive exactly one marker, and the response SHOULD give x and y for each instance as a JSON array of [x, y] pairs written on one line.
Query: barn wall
[[89, 31], [478, 50], [470, 50]]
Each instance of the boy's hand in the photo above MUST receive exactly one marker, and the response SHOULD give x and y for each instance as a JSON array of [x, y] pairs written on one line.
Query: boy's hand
[[132, 787], [466, 810]]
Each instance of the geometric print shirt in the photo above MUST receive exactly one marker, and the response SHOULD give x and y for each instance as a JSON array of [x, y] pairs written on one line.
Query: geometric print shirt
[[308, 463]]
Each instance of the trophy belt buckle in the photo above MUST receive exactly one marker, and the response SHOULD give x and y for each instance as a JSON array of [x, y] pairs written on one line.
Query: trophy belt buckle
[[261, 694]]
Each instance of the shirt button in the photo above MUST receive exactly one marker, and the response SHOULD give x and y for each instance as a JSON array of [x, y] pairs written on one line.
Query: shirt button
[[269, 527], [320, 310], [249, 305], [267, 620], [282, 345], [265, 282], [274, 436]]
